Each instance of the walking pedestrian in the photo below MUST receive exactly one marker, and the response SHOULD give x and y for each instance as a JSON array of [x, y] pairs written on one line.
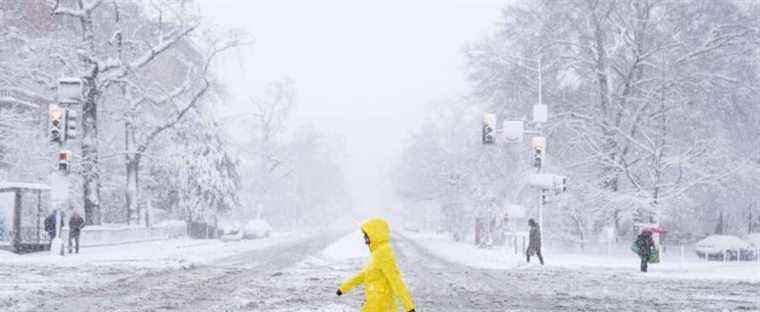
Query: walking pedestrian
[[381, 277], [534, 242], [76, 224], [50, 225], [645, 247]]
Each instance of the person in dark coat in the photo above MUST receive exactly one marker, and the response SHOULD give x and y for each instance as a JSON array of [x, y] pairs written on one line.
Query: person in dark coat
[[50, 225], [534, 242], [76, 224], [645, 245]]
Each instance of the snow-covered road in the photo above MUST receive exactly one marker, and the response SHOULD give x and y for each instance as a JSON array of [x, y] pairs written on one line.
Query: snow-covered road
[[302, 275]]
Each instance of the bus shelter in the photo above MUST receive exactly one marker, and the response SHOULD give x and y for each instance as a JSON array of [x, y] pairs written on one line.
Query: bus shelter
[[23, 208]]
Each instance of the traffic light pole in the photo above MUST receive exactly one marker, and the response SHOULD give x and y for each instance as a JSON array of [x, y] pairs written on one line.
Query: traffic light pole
[[63, 126], [514, 131], [59, 213], [542, 192]]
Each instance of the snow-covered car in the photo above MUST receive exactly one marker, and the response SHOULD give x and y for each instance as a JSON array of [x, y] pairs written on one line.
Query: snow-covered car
[[716, 246], [258, 228], [232, 237], [230, 226], [753, 239]]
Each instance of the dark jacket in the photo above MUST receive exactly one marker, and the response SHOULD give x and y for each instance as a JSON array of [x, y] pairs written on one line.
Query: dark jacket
[[534, 239], [645, 243], [50, 224], [76, 224]]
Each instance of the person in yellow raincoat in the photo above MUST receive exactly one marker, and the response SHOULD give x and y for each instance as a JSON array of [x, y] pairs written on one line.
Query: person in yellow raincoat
[[381, 277]]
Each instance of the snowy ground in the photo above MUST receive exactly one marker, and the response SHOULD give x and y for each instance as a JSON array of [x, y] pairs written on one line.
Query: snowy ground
[[620, 259], [301, 273], [40, 274]]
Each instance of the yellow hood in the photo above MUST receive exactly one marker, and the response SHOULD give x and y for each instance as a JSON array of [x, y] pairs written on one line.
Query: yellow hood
[[377, 230]]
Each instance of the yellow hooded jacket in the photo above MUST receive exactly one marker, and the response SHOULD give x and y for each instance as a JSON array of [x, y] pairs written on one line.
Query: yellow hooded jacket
[[381, 277]]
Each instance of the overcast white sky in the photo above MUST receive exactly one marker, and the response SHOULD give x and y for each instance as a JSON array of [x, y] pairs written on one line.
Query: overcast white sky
[[362, 69]]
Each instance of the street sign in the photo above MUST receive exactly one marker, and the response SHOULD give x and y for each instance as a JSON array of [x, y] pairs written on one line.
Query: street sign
[[69, 90], [540, 113], [547, 181]]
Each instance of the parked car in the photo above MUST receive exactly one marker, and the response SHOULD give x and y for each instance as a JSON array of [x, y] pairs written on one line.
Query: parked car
[[232, 236], [753, 239], [716, 247], [255, 229]]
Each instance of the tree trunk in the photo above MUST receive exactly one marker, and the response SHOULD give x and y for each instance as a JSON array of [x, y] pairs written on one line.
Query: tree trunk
[[749, 219], [132, 195], [90, 170], [720, 227], [90, 166], [133, 156]]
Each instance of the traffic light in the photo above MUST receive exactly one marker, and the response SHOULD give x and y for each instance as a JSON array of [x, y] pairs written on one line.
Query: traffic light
[[539, 151], [71, 124], [489, 128], [57, 121], [64, 158]]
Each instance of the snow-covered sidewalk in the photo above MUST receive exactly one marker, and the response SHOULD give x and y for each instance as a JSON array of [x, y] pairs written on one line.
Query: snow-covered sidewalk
[[497, 258], [671, 267], [623, 261]]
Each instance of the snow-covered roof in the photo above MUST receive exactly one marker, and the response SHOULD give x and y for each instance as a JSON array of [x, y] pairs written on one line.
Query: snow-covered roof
[[12, 186]]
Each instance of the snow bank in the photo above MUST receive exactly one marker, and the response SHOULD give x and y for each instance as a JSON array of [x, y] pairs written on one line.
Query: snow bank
[[349, 247], [110, 234], [465, 254], [153, 254], [170, 224], [672, 266]]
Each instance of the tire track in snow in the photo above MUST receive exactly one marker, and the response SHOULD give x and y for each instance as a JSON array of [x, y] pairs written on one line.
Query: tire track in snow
[[190, 289]]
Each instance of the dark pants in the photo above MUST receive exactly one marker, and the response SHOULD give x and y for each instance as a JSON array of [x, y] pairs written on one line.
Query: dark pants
[[74, 237], [538, 253], [644, 263]]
